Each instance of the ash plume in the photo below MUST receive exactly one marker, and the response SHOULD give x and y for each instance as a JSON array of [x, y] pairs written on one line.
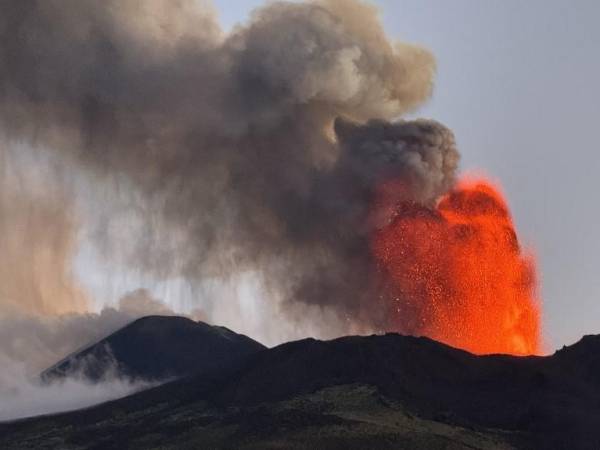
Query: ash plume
[[256, 150]]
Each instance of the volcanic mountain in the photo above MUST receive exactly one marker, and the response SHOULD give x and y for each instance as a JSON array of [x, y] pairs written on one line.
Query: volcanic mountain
[[381, 391], [156, 348]]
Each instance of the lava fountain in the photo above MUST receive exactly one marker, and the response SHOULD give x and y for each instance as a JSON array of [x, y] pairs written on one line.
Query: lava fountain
[[458, 271]]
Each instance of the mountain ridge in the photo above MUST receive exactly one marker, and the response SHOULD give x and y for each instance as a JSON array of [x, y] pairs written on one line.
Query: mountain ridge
[[178, 346], [379, 391]]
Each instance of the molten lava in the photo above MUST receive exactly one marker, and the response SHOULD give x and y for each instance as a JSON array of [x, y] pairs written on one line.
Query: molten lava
[[458, 274]]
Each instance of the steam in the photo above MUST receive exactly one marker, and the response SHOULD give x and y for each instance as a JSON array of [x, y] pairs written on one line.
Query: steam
[[30, 398], [33, 342]]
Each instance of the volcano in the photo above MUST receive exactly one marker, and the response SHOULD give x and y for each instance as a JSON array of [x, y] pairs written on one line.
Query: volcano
[[156, 348], [380, 391]]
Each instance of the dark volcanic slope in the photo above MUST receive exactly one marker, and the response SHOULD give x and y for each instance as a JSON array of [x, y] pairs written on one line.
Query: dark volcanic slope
[[356, 392], [157, 347], [556, 398]]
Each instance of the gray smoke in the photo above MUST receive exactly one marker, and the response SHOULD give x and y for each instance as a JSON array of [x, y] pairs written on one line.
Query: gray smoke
[[256, 150]]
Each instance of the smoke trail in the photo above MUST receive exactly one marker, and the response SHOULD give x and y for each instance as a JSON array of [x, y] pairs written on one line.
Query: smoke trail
[[233, 141]]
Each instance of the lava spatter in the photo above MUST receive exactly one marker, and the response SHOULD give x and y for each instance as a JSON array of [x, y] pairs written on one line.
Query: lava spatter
[[459, 274]]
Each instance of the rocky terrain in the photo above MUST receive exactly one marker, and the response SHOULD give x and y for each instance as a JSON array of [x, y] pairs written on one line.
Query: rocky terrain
[[387, 391], [156, 348]]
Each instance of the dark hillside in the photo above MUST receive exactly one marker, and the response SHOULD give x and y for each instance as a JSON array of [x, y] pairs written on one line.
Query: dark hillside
[[155, 348], [386, 391]]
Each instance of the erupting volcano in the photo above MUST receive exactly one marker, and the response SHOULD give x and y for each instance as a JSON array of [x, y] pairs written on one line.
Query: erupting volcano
[[458, 273], [213, 160]]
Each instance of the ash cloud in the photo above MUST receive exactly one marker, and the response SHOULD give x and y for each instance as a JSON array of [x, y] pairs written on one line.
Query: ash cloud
[[232, 142]]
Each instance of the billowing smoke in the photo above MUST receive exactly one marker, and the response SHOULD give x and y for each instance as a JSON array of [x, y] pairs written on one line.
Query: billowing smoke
[[273, 154], [256, 150]]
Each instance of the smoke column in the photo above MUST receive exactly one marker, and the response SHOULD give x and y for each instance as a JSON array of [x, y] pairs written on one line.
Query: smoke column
[[261, 150]]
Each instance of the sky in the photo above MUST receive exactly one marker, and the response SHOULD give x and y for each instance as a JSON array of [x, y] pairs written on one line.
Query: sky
[[517, 82]]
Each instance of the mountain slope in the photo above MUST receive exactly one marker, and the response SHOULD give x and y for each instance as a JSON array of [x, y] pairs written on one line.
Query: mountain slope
[[156, 348], [355, 392]]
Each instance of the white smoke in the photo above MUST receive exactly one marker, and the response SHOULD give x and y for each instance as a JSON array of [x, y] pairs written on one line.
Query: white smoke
[[32, 343]]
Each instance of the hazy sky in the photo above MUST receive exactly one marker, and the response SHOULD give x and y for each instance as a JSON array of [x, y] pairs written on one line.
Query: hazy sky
[[518, 83]]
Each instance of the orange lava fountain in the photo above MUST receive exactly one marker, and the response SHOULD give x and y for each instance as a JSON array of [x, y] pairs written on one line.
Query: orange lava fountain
[[458, 273]]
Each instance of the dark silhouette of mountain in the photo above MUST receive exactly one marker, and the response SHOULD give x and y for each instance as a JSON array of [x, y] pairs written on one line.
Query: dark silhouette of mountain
[[156, 348], [386, 391]]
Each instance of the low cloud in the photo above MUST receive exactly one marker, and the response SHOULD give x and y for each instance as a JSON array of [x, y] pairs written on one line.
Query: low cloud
[[26, 397], [32, 343]]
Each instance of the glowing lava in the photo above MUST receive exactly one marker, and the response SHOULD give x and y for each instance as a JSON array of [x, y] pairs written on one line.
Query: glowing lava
[[458, 273]]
